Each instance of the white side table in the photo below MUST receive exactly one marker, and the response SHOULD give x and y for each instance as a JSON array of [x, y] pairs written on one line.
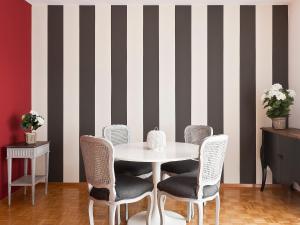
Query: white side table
[[26, 151]]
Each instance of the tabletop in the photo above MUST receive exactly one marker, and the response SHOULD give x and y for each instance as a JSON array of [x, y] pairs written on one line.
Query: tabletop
[[173, 151], [290, 132]]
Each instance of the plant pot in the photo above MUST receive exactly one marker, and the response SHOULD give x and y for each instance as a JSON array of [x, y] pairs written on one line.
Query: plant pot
[[279, 123], [30, 137]]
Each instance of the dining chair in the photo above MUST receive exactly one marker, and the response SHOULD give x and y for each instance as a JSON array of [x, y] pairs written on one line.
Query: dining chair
[[194, 134], [119, 134], [106, 187], [198, 186]]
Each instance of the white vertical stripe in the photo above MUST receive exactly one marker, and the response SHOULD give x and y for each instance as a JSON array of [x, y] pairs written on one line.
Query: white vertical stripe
[[39, 80], [71, 93], [294, 56], [263, 73], [135, 72], [232, 92], [199, 65], [167, 70], [102, 67]]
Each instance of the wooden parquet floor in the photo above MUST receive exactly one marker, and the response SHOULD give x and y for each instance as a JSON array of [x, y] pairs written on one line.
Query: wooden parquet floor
[[66, 204]]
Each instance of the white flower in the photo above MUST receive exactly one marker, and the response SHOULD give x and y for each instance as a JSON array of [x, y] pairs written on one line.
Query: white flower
[[40, 120], [34, 113], [292, 93], [272, 93], [276, 87], [280, 96]]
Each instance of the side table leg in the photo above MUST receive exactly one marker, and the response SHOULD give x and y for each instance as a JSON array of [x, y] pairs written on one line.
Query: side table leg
[[25, 172], [264, 169], [46, 172], [33, 179], [9, 163], [264, 178]]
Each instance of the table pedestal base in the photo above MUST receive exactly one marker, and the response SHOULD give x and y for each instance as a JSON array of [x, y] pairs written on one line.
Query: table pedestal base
[[172, 218]]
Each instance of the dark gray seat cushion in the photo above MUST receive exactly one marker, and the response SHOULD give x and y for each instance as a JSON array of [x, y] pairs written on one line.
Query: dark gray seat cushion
[[180, 167], [185, 186], [127, 187], [132, 168]]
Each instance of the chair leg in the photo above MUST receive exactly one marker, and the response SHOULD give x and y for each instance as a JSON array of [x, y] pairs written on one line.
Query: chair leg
[[200, 213], [161, 205], [218, 204], [91, 212], [189, 212], [112, 214], [193, 210], [126, 212], [149, 211], [118, 215]]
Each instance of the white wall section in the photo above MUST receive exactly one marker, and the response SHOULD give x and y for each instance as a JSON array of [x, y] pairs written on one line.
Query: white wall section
[[263, 75], [232, 92], [135, 72], [167, 70], [39, 77], [102, 68], [71, 94], [294, 59], [199, 65]]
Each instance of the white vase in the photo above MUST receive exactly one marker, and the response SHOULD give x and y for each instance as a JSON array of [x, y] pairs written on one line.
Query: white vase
[[30, 137], [156, 139]]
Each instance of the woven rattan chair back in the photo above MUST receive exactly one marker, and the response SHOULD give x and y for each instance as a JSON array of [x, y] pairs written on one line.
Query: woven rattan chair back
[[211, 158], [98, 158], [117, 134], [195, 134]]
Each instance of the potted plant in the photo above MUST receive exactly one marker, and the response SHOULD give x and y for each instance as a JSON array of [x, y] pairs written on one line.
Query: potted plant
[[30, 123], [277, 101]]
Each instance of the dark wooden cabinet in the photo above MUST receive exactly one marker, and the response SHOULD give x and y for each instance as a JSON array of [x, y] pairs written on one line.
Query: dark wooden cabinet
[[280, 151]]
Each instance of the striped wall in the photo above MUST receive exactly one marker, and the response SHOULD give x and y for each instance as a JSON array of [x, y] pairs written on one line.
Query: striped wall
[[164, 66]]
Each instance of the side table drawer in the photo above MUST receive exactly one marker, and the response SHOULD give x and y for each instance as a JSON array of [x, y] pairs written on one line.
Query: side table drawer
[[27, 152], [20, 153]]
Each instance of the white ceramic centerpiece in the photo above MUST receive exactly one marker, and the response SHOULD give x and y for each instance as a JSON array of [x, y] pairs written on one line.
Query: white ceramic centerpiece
[[156, 139]]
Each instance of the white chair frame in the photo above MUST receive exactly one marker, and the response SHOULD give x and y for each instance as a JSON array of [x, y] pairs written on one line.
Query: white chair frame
[[106, 133], [187, 139], [200, 201], [114, 206]]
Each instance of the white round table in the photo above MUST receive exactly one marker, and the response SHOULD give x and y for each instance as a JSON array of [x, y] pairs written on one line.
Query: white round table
[[139, 152]]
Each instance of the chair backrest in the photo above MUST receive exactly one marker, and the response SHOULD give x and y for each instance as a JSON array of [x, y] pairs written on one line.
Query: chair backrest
[[117, 134], [98, 158], [195, 134], [211, 158]]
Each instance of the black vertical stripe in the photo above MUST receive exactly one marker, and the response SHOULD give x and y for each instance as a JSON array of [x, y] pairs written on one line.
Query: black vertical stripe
[[119, 64], [182, 69], [87, 75], [215, 48], [150, 68], [248, 95], [55, 92], [280, 45]]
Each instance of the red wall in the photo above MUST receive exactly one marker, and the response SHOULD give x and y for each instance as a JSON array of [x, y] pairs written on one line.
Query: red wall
[[15, 79]]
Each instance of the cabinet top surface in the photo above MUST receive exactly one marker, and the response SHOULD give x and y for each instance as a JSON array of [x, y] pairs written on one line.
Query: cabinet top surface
[[24, 145], [290, 132]]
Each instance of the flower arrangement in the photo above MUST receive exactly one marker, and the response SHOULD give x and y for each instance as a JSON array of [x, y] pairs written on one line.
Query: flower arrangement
[[32, 121], [277, 101]]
